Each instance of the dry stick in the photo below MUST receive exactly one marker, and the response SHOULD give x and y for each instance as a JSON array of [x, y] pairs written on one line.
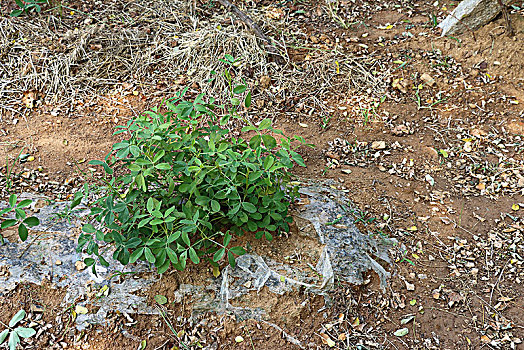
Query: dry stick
[[505, 13], [251, 24]]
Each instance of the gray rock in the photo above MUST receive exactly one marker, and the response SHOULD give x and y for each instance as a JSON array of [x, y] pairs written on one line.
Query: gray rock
[[471, 14], [325, 218]]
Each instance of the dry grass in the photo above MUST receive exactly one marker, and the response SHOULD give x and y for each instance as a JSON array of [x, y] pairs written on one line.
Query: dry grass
[[145, 43]]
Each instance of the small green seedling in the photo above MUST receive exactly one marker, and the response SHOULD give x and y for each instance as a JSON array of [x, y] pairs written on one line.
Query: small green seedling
[[15, 333], [21, 219], [27, 7]]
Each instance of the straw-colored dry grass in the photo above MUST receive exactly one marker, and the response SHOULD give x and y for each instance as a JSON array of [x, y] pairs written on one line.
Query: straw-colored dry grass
[[144, 42]]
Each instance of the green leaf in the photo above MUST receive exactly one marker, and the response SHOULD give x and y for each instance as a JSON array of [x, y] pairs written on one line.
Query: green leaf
[[8, 223], [235, 101], [254, 176], [150, 206], [193, 256], [215, 206], [135, 255], [247, 100], [219, 254], [173, 237], [269, 141], [14, 339], [135, 151], [164, 267], [202, 200], [172, 255], [160, 299], [149, 255], [12, 200], [163, 166], [133, 243], [268, 162], [250, 208], [264, 124], [254, 143], [104, 165], [20, 214], [227, 239], [25, 332], [185, 238], [88, 228], [231, 259], [297, 158], [249, 128], [24, 203], [32, 221], [89, 261], [238, 250], [140, 182], [401, 332], [159, 155], [16, 13], [4, 335], [19, 316], [239, 89], [23, 232]]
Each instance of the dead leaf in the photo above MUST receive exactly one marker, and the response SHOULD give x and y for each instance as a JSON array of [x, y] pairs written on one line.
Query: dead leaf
[[327, 340], [29, 98], [455, 297], [485, 339]]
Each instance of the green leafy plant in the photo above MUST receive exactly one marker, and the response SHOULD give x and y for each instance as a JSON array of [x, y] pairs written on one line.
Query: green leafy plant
[[27, 6], [325, 121], [185, 186], [69, 213], [16, 333], [21, 219]]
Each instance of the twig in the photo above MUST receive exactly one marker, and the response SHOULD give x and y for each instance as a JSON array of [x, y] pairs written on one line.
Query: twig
[[251, 24], [498, 281], [505, 13]]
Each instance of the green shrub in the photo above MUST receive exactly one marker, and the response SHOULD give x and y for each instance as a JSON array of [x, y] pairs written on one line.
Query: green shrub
[[180, 186]]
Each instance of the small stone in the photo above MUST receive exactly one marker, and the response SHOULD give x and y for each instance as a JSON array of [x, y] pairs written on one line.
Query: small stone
[[58, 262], [239, 339], [409, 286], [333, 155], [36, 308], [80, 265], [430, 180], [377, 145], [468, 147], [428, 79], [346, 171], [81, 310]]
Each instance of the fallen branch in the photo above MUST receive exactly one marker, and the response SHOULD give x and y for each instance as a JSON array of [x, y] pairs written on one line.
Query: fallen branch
[[251, 24]]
